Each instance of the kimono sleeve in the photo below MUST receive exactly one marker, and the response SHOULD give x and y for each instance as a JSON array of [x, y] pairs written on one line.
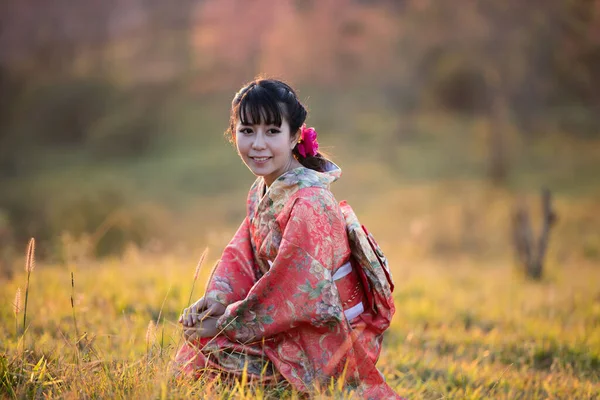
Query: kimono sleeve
[[234, 275], [298, 289]]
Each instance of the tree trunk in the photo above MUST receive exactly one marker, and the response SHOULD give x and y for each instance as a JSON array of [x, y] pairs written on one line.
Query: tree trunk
[[529, 253]]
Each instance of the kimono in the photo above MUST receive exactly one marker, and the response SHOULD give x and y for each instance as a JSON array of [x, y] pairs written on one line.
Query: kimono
[[294, 306]]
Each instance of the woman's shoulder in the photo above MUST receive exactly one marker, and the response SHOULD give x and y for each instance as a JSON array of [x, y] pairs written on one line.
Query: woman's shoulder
[[311, 206], [313, 194], [303, 177], [319, 200], [313, 188]]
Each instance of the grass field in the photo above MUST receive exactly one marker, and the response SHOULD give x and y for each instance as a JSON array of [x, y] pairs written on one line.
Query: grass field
[[468, 324]]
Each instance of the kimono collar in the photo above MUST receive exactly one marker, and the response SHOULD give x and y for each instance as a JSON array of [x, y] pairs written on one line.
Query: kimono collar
[[288, 184]]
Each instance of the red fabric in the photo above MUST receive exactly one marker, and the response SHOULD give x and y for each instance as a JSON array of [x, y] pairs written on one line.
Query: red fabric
[[350, 289], [284, 316]]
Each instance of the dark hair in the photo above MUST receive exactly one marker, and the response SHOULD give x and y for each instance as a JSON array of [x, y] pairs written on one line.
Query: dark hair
[[269, 101]]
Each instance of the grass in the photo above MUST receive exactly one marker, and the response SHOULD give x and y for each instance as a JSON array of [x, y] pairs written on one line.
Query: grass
[[468, 325], [465, 332]]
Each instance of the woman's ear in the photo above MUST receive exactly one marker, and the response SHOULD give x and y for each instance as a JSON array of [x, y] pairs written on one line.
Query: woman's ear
[[294, 139]]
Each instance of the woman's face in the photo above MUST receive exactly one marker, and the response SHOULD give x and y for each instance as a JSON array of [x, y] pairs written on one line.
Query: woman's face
[[266, 149]]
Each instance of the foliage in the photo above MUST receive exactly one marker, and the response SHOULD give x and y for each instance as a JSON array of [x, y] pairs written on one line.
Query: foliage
[[192, 177], [91, 114], [103, 110]]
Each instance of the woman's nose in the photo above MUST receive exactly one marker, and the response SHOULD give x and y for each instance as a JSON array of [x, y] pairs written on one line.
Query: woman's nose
[[259, 142]]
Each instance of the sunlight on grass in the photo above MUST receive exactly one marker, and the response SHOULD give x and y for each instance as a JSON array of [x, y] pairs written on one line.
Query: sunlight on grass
[[467, 325]]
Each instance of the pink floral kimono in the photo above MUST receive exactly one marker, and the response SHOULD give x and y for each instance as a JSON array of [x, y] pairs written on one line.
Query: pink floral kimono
[[296, 307]]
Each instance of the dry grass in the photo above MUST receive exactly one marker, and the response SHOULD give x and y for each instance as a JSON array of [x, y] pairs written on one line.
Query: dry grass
[[468, 325]]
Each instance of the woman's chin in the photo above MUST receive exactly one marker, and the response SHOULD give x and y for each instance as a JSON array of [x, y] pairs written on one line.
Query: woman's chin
[[261, 171]]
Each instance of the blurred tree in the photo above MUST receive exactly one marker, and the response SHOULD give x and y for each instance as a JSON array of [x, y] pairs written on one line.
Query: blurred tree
[[575, 66], [96, 76], [530, 249]]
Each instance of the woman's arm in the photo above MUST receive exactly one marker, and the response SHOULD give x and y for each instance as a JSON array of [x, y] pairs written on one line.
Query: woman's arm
[[234, 275], [298, 288], [230, 281]]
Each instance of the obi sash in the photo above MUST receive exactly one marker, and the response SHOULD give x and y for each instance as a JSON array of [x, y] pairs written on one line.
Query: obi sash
[[351, 290]]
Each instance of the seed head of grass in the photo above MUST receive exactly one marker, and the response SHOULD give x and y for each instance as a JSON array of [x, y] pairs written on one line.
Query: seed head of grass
[[30, 256], [200, 262], [17, 303], [29, 266], [150, 332]]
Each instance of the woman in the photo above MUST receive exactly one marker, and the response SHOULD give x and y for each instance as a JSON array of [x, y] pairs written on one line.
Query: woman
[[287, 300]]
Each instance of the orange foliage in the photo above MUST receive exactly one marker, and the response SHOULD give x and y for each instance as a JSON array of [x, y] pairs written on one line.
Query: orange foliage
[[325, 43]]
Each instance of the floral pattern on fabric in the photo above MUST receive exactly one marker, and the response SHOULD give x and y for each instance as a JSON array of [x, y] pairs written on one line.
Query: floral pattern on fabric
[[284, 314]]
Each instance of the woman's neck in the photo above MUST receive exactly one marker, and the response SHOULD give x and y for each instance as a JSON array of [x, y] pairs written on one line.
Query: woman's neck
[[292, 165]]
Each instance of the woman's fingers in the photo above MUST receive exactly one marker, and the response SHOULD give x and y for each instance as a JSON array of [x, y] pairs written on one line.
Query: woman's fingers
[[193, 332], [218, 309], [199, 303], [190, 333], [209, 328], [200, 310], [190, 316], [214, 310], [194, 310], [181, 319], [201, 316], [187, 316], [206, 328]]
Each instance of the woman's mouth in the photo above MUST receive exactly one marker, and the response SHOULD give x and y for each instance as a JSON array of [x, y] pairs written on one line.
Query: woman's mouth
[[260, 160]]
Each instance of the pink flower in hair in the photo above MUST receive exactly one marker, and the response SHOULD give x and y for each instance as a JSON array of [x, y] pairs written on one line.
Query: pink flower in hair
[[308, 145]]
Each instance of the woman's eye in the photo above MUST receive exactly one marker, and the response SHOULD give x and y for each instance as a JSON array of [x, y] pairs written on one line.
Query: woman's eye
[[246, 131], [274, 131]]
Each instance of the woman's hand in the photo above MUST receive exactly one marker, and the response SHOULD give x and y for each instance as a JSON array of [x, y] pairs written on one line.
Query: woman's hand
[[201, 310], [202, 329]]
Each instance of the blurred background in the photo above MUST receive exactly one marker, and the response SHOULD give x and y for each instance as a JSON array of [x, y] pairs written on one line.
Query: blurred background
[[443, 116]]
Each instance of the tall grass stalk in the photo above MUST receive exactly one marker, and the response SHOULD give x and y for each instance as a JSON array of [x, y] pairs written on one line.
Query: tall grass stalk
[[196, 273], [244, 379], [150, 334], [29, 266], [162, 340], [73, 313], [162, 336], [17, 310]]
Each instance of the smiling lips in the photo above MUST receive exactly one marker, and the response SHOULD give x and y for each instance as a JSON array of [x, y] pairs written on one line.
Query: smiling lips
[[260, 160]]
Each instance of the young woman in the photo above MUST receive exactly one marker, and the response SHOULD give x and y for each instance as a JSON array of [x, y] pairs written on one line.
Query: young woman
[[287, 300]]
